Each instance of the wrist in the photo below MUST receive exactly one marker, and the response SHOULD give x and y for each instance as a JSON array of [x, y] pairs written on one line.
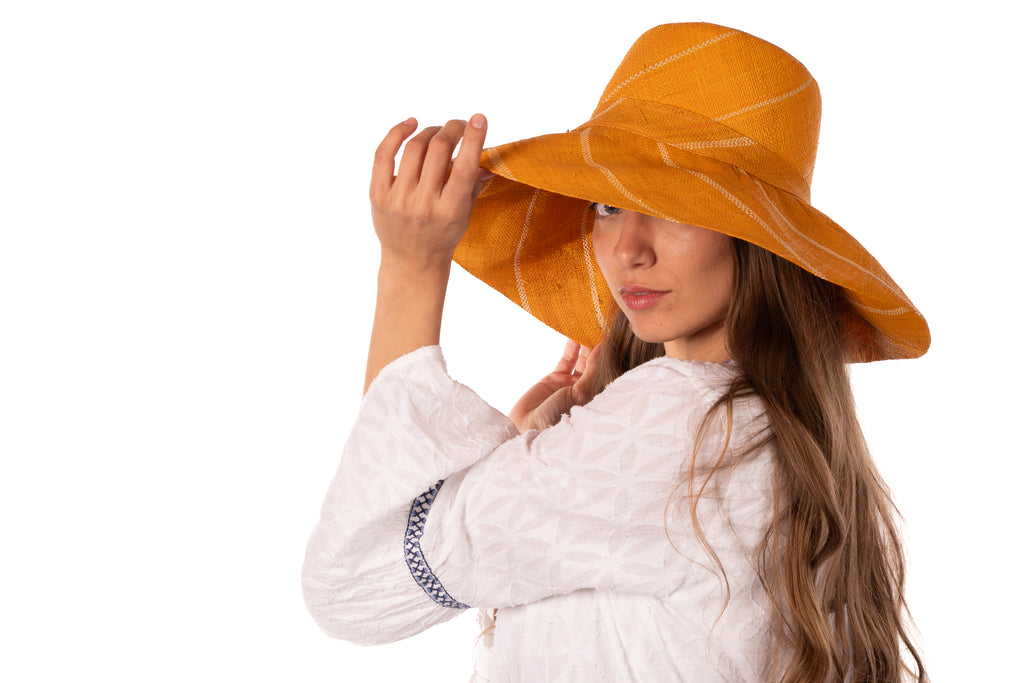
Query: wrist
[[422, 269], [410, 303], [413, 278]]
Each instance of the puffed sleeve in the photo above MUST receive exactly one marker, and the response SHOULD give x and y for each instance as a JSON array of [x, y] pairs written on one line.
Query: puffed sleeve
[[440, 503], [415, 427]]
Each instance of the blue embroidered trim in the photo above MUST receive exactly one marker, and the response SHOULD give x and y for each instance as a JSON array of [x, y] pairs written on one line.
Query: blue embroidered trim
[[414, 557]]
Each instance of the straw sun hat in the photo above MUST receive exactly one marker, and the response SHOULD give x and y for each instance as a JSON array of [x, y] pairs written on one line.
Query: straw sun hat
[[702, 125]]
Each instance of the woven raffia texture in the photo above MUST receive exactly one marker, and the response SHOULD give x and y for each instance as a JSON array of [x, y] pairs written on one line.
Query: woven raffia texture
[[702, 125]]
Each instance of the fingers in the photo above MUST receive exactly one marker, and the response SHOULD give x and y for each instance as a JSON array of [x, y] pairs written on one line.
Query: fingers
[[439, 156], [592, 360], [428, 156], [412, 158], [575, 359], [584, 388], [384, 160], [465, 170], [581, 361], [570, 354]]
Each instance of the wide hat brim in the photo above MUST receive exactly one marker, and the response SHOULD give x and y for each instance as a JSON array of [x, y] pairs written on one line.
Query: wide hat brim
[[529, 236]]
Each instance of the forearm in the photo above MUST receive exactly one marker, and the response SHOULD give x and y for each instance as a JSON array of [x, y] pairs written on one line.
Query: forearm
[[419, 215], [410, 300]]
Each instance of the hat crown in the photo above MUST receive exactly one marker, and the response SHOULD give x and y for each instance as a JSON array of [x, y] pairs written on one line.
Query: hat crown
[[700, 125], [728, 77]]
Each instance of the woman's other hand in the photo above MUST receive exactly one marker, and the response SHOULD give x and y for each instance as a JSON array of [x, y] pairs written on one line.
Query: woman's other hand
[[421, 213], [570, 384]]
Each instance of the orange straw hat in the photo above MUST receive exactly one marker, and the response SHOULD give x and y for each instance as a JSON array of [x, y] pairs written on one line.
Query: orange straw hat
[[701, 125]]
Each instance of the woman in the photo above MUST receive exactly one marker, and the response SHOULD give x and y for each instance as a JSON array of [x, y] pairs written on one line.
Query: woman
[[693, 500]]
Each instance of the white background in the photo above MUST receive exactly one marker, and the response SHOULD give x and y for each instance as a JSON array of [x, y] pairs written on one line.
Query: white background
[[187, 272]]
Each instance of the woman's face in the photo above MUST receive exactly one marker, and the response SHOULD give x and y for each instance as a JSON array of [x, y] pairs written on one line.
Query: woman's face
[[672, 280]]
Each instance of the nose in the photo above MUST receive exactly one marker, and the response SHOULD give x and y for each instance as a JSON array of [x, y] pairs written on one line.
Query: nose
[[633, 248]]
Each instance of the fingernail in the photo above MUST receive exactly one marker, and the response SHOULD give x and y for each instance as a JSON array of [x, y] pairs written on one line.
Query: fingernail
[[477, 121], [411, 121]]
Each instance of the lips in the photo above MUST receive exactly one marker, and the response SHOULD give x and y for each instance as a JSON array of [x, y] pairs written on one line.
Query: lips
[[638, 297]]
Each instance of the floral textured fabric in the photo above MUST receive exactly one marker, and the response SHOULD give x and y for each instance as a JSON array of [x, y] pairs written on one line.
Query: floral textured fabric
[[580, 535]]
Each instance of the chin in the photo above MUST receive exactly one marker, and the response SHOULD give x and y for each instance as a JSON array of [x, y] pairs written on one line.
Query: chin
[[649, 336], [707, 342]]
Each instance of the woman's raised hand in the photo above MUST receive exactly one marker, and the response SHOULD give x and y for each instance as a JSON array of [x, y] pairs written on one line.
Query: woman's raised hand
[[421, 213], [571, 383]]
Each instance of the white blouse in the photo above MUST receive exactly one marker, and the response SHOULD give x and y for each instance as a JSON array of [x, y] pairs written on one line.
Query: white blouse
[[580, 535]]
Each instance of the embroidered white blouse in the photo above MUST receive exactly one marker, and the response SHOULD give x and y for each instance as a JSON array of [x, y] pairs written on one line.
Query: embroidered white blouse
[[440, 504]]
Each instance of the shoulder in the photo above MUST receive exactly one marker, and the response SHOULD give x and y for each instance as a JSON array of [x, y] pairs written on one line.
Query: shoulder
[[669, 380], [672, 395], [665, 398]]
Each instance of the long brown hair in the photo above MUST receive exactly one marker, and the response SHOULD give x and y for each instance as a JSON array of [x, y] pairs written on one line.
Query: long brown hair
[[832, 559]]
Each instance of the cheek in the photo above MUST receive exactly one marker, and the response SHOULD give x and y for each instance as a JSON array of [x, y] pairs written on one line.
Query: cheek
[[712, 269], [602, 246], [721, 275]]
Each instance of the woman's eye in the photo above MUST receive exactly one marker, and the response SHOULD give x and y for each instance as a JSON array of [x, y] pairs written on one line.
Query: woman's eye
[[603, 210]]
